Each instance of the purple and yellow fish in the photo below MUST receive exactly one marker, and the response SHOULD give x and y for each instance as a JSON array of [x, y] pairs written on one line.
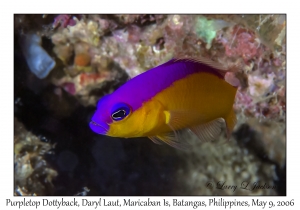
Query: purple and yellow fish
[[179, 94]]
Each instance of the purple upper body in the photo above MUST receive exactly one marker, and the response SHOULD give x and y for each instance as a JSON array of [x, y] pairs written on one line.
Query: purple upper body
[[143, 87]]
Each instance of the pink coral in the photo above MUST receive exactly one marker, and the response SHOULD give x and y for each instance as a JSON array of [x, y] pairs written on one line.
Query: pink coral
[[277, 62], [69, 87], [243, 101], [242, 43], [120, 35], [259, 86], [134, 34], [64, 21], [90, 78]]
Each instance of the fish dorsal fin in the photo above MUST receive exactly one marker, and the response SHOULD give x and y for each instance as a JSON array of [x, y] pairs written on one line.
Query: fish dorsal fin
[[208, 131], [173, 140], [227, 72], [203, 60]]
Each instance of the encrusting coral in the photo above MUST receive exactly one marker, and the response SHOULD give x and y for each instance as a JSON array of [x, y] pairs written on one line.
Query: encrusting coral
[[33, 175]]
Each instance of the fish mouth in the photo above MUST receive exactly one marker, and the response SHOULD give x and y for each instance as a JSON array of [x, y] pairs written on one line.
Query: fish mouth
[[100, 128]]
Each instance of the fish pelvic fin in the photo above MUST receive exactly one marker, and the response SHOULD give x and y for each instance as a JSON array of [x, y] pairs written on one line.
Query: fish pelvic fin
[[230, 121], [208, 131], [155, 139], [172, 140]]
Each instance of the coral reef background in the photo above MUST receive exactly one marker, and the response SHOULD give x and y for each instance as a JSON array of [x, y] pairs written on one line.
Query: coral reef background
[[55, 152]]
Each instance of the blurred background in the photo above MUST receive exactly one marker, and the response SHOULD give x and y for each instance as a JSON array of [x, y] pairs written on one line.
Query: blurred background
[[63, 64]]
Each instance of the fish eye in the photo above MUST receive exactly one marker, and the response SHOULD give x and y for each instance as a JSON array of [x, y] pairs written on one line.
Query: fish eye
[[120, 111]]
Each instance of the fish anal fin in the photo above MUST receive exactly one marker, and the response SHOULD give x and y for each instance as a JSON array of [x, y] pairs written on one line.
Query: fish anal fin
[[208, 131], [230, 121]]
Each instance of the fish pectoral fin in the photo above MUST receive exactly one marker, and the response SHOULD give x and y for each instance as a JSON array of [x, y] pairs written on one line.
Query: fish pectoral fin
[[176, 119], [173, 141], [208, 131], [230, 123]]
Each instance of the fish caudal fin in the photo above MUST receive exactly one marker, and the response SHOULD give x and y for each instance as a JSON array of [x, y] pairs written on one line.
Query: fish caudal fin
[[230, 121]]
